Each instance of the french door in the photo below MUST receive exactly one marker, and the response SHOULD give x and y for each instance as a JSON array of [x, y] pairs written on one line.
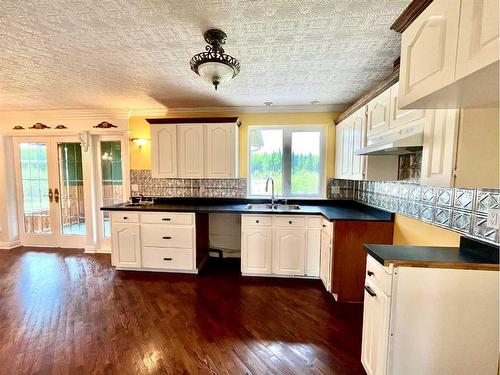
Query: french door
[[50, 190]]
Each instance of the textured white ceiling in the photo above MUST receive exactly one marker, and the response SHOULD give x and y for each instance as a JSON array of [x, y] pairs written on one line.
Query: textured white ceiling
[[59, 54]]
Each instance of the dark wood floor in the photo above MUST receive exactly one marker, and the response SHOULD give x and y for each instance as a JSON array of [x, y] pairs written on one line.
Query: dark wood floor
[[63, 312]]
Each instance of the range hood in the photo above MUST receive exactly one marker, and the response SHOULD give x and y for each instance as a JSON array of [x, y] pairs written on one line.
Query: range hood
[[394, 144]]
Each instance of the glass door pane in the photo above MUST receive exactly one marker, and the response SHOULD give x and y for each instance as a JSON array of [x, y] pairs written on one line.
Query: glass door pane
[[70, 193], [111, 179], [35, 186]]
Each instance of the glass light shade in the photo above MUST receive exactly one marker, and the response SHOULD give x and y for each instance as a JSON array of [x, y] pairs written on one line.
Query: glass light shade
[[140, 142], [215, 72]]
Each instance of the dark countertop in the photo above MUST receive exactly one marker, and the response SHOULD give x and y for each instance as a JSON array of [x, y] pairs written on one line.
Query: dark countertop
[[329, 209], [472, 254]]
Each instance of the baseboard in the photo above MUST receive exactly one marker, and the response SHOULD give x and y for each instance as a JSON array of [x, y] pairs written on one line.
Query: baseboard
[[9, 245]]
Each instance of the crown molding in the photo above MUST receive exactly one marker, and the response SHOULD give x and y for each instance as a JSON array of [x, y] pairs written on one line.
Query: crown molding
[[113, 113], [242, 109], [120, 113]]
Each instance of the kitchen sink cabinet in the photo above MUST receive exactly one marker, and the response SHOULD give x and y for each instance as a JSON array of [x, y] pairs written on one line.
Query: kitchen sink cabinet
[[282, 245], [256, 250]]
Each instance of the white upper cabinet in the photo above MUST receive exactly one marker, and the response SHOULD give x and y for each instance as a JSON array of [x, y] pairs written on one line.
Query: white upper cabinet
[[440, 142], [449, 56], [401, 117], [221, 141], [190, 142], [164, 151], [453, 141], [478, 37], [194, 150], [378, 113], [357, 127]]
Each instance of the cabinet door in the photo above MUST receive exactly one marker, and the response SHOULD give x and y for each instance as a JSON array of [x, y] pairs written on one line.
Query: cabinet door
[[339, 160], [220, 150], [374, 346], [289, 251], [256, 245], [190, 143], [164, 151], [378, 114], [428, 51], [313, 252], [126, 245], [401, 117], [479, 36], [440, 147], [358, 134], [326, 261]]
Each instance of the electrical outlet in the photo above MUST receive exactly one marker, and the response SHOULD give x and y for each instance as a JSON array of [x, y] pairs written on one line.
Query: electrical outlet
[[335, 189], [493, 218], [135, 187]]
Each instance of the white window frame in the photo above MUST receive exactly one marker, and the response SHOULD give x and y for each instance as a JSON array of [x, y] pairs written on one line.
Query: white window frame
[[287, 158]]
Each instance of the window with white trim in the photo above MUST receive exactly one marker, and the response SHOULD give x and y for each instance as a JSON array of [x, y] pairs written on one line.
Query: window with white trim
[[294, 157]]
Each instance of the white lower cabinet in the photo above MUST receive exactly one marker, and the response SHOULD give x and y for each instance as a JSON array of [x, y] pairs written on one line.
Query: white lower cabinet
[[433, 321], [280, 245], [326, 255], [256, 250], [153, 241], [289, 251], [127, 244]]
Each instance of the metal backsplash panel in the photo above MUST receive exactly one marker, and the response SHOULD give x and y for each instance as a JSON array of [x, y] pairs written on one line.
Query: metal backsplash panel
[[186, 188]]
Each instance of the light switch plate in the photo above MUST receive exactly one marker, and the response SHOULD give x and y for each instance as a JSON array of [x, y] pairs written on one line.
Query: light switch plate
[[335, 189], [135, 187], [493, 218]]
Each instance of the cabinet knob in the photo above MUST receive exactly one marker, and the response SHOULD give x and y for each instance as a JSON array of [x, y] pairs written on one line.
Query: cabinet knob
[[125, 218], [167, 237], [167, 258], [165, 219], [290, 222], [324, 226], [257, 221], [369, 273]]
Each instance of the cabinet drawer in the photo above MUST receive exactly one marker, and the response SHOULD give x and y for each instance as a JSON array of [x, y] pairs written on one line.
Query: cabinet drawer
[[167, 236], [377, 274], [167, 218], [314, 222], [167, 258], [255, 220], [125, 217], [290, 221]]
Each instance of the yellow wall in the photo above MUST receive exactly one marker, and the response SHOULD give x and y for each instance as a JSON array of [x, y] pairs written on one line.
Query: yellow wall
[[409, 231], [139, 128]]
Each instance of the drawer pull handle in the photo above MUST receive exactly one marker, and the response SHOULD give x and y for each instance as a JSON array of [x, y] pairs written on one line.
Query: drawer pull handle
[[165, 219], [167, 258], [167, 237], [257, 221], [369, 273], [290, 222], [370, 291], [125, 218]]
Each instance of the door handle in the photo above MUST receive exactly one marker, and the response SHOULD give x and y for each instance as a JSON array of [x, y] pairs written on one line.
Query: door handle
[[56, 195], [167, 237], [370, 291], [51, 195]]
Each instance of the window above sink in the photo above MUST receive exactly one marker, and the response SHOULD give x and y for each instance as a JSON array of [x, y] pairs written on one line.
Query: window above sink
[[295, 157]]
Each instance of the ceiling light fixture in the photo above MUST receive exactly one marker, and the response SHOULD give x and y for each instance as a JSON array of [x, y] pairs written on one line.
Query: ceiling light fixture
[[214, 65], [268, 104], [314, 102]]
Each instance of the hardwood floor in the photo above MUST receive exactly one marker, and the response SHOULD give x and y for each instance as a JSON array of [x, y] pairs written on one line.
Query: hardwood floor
[[63, 312]]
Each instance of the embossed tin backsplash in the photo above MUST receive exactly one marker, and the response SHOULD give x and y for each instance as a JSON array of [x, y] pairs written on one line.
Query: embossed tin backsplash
[[461, 210], [185, 188]]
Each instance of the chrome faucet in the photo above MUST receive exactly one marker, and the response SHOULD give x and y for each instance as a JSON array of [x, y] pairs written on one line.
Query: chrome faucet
[[272, 190]]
